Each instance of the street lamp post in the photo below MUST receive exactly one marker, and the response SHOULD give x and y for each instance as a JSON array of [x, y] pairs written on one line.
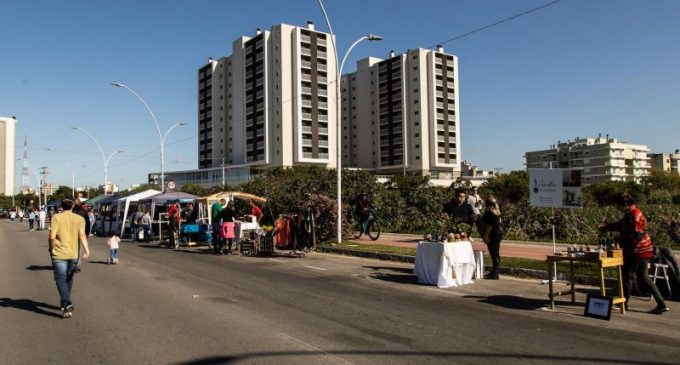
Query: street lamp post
[[105, 159], [158, 128], [369, 37]]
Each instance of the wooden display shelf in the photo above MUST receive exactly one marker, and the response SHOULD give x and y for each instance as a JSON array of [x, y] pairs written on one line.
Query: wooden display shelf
[[601, 262]]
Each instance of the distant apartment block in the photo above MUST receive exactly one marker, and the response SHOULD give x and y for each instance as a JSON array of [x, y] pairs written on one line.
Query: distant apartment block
[[7, 155], [269, 103], [602, 159], [668, 162], [401, 115]]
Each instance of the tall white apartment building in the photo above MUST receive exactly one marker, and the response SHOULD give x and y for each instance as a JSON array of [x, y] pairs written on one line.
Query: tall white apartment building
[[668, 162], [602, 159], [7, 154], [267, 105], [401, 115]]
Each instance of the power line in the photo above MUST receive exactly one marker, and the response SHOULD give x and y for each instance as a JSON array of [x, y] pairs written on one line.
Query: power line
[[498, 22]]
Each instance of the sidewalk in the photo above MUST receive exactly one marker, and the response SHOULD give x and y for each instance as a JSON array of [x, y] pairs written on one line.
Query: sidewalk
[[509, 248]]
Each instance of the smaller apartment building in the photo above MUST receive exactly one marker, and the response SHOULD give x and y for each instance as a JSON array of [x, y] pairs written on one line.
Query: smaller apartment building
[[668, 162], [602, 159]]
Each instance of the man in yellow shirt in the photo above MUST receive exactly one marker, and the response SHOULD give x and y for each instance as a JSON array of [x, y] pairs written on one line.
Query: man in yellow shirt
[[65, 230]]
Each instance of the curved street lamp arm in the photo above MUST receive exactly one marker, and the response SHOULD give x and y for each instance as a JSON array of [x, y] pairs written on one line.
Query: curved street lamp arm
[[101, 150], [158, 128], [169, 129], [106, 162]]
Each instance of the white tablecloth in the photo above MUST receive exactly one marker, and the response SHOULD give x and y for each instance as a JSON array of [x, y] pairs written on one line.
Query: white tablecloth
[[245, 226], [436, 263]]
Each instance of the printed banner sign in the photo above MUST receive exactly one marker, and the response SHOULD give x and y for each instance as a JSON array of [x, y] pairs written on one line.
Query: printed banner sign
[[555, 188]]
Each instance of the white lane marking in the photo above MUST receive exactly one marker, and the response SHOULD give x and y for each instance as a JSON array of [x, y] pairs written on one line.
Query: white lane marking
[[277, 260], [316, 268], [309, 346]]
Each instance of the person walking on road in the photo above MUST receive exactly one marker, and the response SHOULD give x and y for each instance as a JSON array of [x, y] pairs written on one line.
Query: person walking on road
[[492, 235], [42, 217], [12, 216], [637, 248], [66, 230], [31, 219], [173, 218]]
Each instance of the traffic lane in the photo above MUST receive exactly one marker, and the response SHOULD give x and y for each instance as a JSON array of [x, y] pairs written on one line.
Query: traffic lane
[[333, 313]]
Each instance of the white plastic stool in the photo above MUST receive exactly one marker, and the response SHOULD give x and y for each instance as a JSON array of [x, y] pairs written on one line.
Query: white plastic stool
[[656, 275], [479, 263]]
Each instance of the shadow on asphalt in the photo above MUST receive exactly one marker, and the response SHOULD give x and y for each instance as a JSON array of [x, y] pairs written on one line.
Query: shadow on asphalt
[[451, 356], [148, 245], [405, 270], [39, 267], [99, 262], [511, 301], [30, 305]]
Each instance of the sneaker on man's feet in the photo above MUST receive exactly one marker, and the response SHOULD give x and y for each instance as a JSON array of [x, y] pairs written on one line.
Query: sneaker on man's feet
[[659, 310], [68, 311]]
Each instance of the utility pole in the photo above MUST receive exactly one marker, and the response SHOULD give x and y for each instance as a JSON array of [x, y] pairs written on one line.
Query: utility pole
[[43, 182]]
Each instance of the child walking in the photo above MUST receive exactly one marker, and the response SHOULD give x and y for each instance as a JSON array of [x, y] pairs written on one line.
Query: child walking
[[113, 246]]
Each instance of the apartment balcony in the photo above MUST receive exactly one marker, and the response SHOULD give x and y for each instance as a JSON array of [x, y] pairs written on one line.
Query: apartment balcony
[[259, 94], [305, 51], [323, 105], [305, 38], [320, 41], [307, 116], [306, 64], [306, 77], [322, 79], [322, 91], [306, 102], [322, 66], [320, 54]]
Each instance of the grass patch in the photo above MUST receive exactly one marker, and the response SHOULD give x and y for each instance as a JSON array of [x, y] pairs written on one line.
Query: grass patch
[[580, 269]]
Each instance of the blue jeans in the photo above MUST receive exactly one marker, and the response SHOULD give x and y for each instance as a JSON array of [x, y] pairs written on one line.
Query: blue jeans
[[147, 230], [114, 254], [63, 276], [133, 232]]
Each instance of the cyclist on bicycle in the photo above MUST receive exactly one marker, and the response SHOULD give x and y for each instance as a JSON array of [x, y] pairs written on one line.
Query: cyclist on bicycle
[[364, 204]]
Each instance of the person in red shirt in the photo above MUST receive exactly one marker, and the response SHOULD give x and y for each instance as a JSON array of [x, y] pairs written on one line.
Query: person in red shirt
[[637, 248], [173, 217], [255, 210]]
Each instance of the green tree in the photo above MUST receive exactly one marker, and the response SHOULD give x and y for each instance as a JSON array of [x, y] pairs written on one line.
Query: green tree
[[512, 188]]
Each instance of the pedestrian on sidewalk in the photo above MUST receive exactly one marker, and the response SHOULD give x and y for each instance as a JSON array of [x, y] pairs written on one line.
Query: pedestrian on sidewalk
[[493, 234], [113, 243], [21, 216], [66, 229], [12, 216], [477, 203], [637, 248]]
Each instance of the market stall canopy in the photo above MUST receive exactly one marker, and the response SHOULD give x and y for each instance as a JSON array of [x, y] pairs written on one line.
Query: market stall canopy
[[124, 204], [107, 201], [95, 200], [170, 196], [230, 195], [207, 201]]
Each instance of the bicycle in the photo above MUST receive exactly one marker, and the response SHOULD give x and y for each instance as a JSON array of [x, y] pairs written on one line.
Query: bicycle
[[370, 226]]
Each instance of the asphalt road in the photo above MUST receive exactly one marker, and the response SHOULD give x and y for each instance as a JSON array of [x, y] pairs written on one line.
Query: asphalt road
[[161, 306]]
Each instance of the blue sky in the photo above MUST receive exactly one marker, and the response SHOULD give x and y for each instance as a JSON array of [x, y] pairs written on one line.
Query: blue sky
[[573, 69]]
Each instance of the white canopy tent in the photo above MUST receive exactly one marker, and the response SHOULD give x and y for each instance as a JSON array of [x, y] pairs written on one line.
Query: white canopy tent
[[123, 204]]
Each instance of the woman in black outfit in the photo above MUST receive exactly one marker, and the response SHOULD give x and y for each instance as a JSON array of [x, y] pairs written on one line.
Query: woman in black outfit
[[493, 234]]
